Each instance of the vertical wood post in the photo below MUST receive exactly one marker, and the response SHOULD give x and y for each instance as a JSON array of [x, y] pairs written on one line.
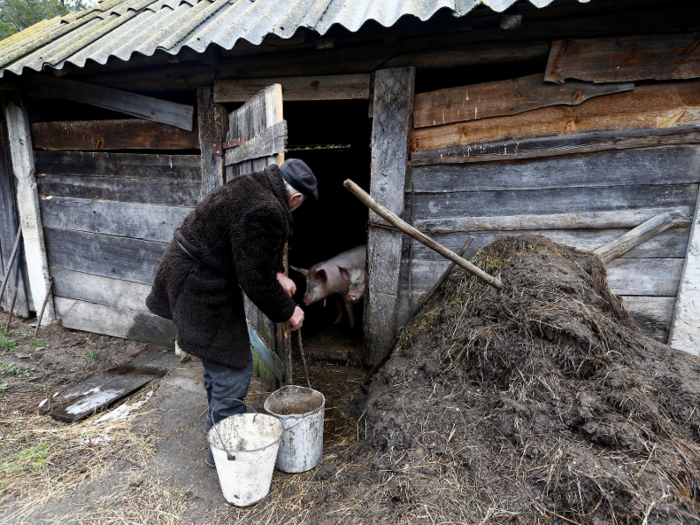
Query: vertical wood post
[[392, 111], [28, 205], [213, 123], [685, 327]]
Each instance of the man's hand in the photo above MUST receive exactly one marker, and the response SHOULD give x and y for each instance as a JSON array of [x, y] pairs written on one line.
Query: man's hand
[[287, 284], [296, 320]]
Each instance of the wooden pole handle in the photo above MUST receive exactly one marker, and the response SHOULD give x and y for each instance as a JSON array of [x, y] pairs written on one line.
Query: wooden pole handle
[[418, 235]]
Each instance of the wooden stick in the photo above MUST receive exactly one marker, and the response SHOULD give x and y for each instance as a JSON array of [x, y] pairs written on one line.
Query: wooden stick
[[418, 308], [303, 359], [12, 306], [416, 234], [643, 232], [12, 260], [43, 307]]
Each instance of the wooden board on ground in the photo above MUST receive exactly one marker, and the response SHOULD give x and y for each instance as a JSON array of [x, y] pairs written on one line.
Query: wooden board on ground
[[99, 290], [113, 386], [117, 322], [184, 168], [140, 221], [98, 135], [624, 59], [504, 97], [556, 146], [649, 106], [328, 87], [106, 255], [148, 108], [146, 191]]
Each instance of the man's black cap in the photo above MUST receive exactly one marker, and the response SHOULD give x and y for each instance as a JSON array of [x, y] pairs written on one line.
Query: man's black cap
[[300, 177]]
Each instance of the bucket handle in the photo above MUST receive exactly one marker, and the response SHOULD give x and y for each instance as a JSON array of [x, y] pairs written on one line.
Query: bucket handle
[[232, 457]]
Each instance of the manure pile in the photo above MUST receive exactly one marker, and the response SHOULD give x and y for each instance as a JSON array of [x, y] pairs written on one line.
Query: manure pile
[[544, 405]]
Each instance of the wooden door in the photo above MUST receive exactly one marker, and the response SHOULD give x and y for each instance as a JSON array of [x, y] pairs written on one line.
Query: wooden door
[[263, 132]]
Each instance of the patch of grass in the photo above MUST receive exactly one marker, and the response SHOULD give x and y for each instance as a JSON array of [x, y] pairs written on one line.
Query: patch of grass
[[37, 343], [32, 458], [4, 385], [12, 369], [7, 345], [92, 355]]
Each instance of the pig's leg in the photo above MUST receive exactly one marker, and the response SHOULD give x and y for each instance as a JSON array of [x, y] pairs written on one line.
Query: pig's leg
[[339, 303], [351, 313]]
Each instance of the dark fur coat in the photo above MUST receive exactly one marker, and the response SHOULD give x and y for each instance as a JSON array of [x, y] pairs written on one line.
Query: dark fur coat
[[237, 233]]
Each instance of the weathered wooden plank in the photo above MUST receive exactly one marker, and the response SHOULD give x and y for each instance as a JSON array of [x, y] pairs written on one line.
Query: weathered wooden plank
[[671, 243], [548, 221], [652, 314], [146, 191], [28, 205], [685, 329], [185, 168], [269, 142], [9, 222], [98, 135], [109, 256], [624, 59], [140, 221], [556, 146], [553, 201], [392, 110], [213, 125], [652, 166], [504, 97], [272, 360], [645, 231], [639, 277], [117, 322], [648, 106], [99, 290], [324, 87], [149, 108]]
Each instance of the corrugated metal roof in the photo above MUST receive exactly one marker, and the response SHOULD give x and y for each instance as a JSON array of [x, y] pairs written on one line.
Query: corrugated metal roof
[[120, 28]]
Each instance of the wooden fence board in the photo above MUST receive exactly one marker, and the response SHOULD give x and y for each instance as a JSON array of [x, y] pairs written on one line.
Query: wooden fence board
[[624, 59], [557, 146], [650, 106], [504, 97], [652, 314], [98, 135], [324, 87], [652, 166], [116, 257], [268, 142], [185, 168], [99, 290], [213, 123], [140, 221], [149, 108], [146, 191], [548, 201]]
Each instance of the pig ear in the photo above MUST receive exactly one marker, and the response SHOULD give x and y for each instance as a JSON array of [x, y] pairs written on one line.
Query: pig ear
[[344, 273], [322, 274], [300, 270]]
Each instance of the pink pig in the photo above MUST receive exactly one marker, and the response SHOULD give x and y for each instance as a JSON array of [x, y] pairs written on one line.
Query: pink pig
[[323, 279], [356, 277]]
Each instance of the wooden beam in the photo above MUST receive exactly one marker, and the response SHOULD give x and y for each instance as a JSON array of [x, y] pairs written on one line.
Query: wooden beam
[[28, 205], [642, 233], [271, 359], [649, 106], [213, 126], [148, 108], [269, 142], [657, 57], [685, 330], [324, 87], [392, 109], [505, 97], [556, 146], [103, 135]]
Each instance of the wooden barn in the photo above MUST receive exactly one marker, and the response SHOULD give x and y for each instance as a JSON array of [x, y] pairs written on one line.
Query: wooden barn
[[579, 121]]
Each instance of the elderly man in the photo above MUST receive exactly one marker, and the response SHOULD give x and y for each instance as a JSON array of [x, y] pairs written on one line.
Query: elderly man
[[233, 240]]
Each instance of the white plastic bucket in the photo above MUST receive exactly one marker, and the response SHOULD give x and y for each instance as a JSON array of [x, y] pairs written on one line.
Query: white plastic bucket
[[301, 411], [245, 448]]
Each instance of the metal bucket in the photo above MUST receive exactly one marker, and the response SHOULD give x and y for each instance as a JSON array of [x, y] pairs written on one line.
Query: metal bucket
[[245, 448], [301, 411]]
